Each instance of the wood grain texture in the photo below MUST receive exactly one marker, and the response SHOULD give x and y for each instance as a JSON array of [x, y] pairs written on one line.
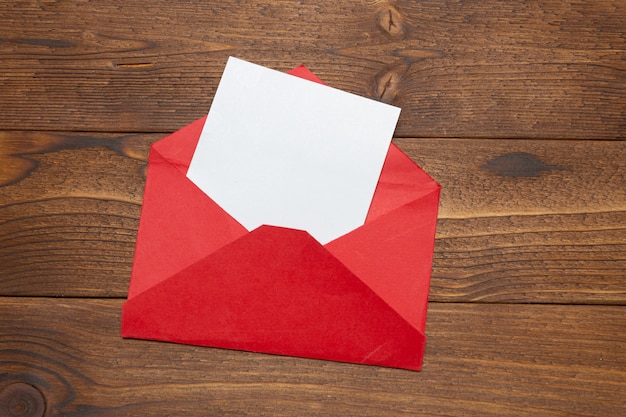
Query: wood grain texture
[[518, 109], [520, 221], [528, 221], [573, 362], [540, 69]]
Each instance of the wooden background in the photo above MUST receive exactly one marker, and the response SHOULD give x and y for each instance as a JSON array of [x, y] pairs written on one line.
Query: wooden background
[[518, 109]]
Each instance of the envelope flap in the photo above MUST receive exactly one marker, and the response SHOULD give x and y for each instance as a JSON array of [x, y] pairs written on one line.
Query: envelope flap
[[178, 148], [179, 224], [275, 290], [401, 182], [303, 72], [392, 255], [392, 252]]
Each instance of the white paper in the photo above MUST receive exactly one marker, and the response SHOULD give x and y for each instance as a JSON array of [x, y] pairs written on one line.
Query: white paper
[[283, 151]]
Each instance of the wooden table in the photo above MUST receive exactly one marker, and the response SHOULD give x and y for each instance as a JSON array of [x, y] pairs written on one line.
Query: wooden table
[[518, 109]]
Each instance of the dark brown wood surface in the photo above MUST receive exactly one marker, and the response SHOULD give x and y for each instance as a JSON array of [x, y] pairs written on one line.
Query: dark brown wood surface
[[482, 359], [518, 109]]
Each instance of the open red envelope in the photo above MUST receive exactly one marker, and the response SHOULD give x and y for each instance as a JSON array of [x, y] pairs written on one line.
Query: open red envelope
[[201, 278]]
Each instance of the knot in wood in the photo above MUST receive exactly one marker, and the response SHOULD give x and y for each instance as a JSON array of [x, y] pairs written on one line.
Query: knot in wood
[[391, 22], [519, 164], [21, 400], [387, 83]]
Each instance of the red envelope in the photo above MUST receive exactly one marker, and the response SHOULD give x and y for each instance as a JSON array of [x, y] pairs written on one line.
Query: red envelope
[[201, 278]]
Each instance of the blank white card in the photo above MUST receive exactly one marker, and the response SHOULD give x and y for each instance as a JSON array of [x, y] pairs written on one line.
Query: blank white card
[[283, 151]]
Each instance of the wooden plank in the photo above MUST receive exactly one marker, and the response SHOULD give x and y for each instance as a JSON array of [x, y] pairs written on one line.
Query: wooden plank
[[520, 221], [528, 221], [481, 360], [548, 69]]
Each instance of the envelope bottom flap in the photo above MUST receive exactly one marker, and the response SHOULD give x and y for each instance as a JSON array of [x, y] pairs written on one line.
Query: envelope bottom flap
[[276, 291]]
